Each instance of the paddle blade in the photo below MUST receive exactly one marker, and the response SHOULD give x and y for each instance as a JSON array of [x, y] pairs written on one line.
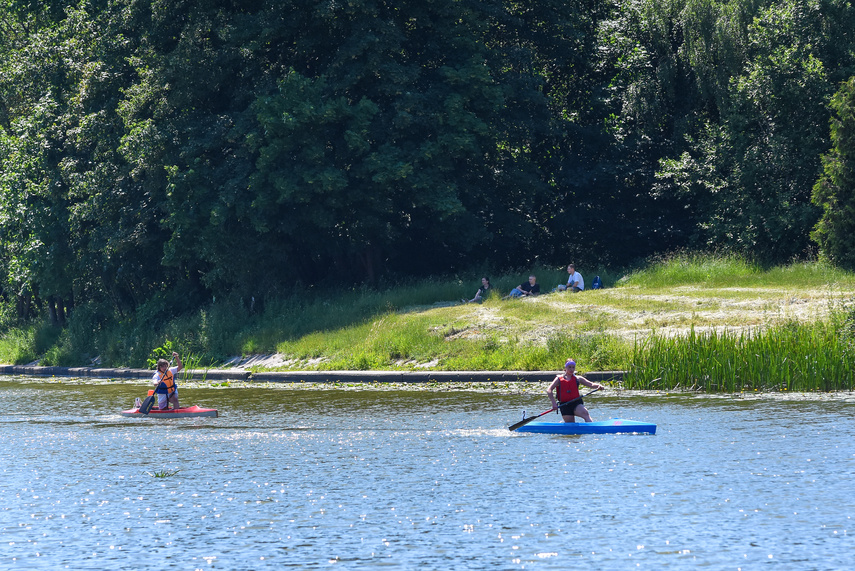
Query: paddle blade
[[523, 422], [147, 404]]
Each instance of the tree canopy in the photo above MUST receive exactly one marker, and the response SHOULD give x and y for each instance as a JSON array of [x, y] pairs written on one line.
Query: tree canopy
[[165, 153]]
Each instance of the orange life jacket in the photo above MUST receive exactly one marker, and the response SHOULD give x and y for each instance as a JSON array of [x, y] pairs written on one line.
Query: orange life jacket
[[167, 384]]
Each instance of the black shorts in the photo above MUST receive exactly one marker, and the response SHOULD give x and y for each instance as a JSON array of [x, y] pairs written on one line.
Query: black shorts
[[567, 409]]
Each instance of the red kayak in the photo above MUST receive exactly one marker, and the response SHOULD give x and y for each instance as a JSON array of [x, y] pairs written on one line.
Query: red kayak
[[186, 412]]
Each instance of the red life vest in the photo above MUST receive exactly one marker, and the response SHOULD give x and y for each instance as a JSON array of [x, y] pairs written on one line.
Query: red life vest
[[568, 389], [167, 384]]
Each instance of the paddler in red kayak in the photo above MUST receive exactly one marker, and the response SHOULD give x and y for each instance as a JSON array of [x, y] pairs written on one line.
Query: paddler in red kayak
[[568, 392], [166, 387]]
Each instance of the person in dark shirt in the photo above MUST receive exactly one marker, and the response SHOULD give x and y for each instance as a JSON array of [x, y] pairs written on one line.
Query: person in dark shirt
[[526, 289], [482, 293]]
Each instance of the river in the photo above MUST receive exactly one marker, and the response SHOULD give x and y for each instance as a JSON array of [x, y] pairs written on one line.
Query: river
[[358, 478]]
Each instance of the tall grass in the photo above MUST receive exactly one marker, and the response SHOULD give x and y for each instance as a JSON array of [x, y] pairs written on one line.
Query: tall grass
[[710, 270], [18, 345], [789, 357], [696, 269], [25, 344]]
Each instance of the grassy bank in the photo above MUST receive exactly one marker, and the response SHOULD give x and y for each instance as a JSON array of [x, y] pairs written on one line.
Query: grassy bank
[[714, 324]]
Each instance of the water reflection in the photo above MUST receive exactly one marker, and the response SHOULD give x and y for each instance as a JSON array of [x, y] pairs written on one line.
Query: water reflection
[[407, 478]]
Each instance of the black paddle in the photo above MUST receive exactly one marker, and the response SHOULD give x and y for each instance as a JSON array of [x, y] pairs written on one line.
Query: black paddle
[[148, 403], [525, 421]]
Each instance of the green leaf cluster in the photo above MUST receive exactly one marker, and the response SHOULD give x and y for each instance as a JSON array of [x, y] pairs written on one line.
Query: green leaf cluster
[[835, 190]]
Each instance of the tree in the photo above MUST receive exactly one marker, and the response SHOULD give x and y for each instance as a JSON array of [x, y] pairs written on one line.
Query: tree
[[835, 189], [362, 138], [83, 228], [746, 171], [35, 251]]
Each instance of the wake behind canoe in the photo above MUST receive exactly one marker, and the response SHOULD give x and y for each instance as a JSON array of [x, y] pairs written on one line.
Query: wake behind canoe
[[186, 412], [612, 426]]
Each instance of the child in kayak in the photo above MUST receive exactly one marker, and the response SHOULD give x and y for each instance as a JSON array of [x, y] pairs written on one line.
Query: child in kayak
[[166, 388], [567, 386]]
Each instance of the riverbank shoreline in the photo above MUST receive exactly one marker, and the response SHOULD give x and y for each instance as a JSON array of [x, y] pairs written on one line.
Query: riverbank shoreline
[[311, 376], [529, 383]]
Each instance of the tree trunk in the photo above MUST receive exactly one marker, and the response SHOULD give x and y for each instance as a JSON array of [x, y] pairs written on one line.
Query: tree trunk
[[60, 311], [51, 303], [24, 303]]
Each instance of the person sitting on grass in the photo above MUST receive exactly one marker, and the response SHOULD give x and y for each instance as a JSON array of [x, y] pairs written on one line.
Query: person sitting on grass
[[575, 282], [525, 289], [482, 292]]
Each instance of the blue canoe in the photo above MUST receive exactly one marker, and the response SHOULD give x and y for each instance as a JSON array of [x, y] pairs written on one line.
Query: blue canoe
[[613, 426]]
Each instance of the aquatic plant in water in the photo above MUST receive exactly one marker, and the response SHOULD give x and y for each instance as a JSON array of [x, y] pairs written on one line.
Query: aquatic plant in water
[[163, 473]]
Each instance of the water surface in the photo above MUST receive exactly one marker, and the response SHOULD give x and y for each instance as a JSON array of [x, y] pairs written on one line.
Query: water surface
[[413, 479]]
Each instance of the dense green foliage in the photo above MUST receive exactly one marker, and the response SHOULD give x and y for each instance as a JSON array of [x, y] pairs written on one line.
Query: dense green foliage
[[835, 191], [156, 156]]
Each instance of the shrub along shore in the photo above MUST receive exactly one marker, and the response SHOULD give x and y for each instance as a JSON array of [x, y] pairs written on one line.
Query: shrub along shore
[[685, 323]]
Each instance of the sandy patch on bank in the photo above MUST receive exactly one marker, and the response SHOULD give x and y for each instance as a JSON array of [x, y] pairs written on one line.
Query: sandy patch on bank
[[631, 314]]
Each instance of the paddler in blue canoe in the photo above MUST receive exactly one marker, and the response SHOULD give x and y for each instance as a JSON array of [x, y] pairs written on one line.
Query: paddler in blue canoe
[[568, 393], [165, 385]]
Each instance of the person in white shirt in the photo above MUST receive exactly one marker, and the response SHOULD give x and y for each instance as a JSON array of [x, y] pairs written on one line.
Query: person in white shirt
[[164, 381], [575, 281]]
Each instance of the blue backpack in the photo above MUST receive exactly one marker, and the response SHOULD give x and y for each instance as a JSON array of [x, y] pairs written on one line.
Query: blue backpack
[[598, 283]]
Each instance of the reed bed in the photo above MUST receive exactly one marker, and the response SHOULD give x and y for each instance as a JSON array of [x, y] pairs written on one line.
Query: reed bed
[[788, 357]]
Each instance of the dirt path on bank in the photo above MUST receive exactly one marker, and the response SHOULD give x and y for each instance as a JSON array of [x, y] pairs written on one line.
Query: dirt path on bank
[[635, 313], [630, 313]]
